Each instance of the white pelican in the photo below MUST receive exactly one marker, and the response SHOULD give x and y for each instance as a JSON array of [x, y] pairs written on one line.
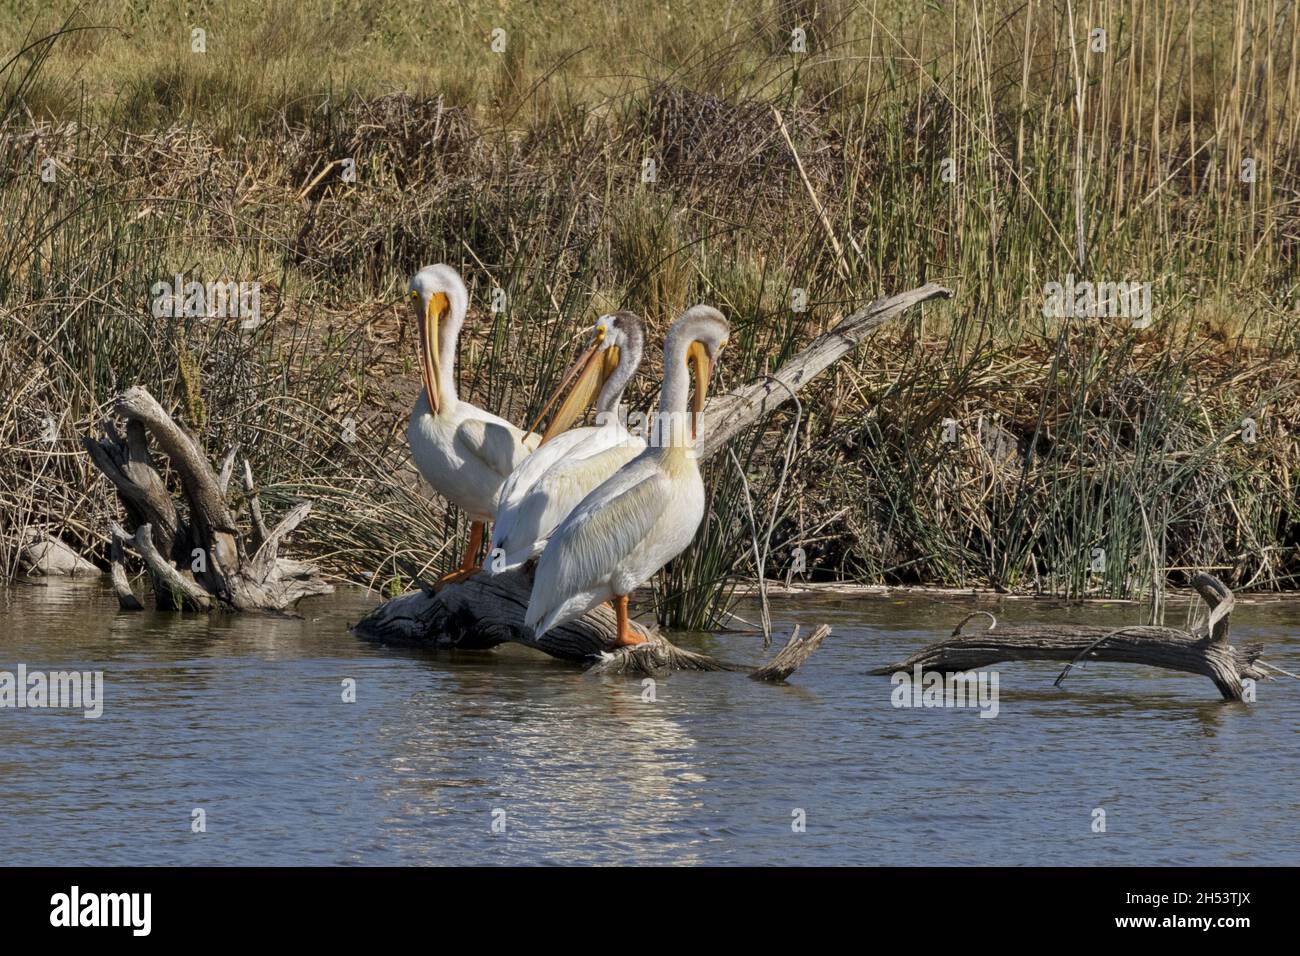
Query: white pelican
[[541, 492], [464, 452], [646, 514]]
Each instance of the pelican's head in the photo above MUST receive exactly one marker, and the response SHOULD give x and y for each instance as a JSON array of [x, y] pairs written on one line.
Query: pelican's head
[[705, 332], [603, 369], [439, 300]]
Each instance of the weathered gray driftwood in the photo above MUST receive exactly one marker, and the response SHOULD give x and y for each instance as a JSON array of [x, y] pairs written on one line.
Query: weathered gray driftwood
[[126, 599], [485, 610], [727, 415], [1205, 651], [199, 562], [44, 555], [791, 657]]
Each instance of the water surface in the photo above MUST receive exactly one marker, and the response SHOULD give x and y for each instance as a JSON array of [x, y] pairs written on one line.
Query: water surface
[[243, 717]]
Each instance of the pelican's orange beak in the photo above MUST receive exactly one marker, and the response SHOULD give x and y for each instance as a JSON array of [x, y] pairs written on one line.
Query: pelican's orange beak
[[698, 356], [428, 319], [588, 375]]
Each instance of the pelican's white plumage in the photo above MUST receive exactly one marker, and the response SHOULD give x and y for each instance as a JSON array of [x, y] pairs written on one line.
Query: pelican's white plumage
[[464, 452], [636, 521], [552, 481], [617, 538]]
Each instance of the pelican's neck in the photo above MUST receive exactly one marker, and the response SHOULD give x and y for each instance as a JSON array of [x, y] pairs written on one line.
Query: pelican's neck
[[629, 357], [673, 427], [677, 384]]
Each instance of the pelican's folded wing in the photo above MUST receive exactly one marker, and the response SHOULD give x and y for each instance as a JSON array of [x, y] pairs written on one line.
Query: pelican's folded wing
[[596, 537], [534, 467], [497, 445], [560, 491]]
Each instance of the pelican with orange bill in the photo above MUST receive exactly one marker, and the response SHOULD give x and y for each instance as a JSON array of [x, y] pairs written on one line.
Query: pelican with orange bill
[[541, 492], [464, 452], [647, 512]]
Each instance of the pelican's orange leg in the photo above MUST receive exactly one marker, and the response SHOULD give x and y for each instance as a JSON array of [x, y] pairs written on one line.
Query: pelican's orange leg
[[625, 636], [468, 564], [470, 561]]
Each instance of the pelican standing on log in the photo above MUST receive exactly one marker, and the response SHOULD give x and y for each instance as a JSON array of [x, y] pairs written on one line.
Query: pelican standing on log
[[541, 492], [646, 514], [464, 452]]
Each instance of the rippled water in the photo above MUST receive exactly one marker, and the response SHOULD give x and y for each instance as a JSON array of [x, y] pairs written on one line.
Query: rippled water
[[243, 717]]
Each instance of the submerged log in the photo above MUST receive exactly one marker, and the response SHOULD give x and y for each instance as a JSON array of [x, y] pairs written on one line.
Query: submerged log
[[200, 562], [487, 610], [1204, 651]]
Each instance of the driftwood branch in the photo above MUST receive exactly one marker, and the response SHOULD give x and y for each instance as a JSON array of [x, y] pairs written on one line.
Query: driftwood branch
[[487, 610], [727, 415], [211, 524], [126, 599], [208, 542], [126, 462], [227, 469], [1203, 651], [254, 508], [268, 552], [791, 657], [185, 595]]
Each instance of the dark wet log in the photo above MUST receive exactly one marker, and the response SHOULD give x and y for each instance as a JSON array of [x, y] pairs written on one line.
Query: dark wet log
[[483, 611], [1205, 651], [486, 610], [200, 563]]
